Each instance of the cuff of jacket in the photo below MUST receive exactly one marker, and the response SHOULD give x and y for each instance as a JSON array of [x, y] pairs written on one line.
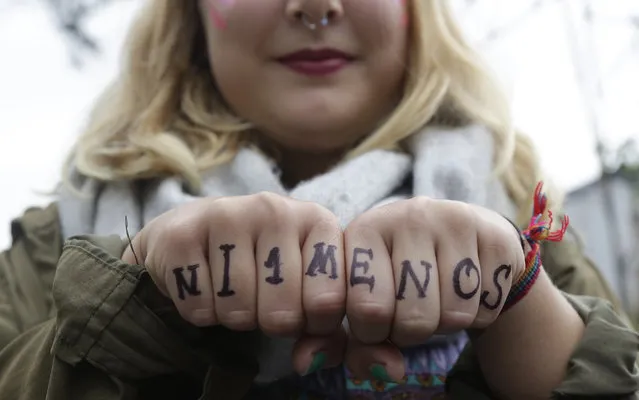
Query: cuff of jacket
[[605, 361], [604, 364], [106, 315]]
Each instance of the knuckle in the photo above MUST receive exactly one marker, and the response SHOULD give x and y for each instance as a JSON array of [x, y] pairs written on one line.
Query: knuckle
[[223, 211], [240, 320], [325, 224], [232, 214], [370, 312], [413, 331], [365, 222], [221, 203], [281, 322], [201, 317], [458, 217], [179, 231], [320, 213], [274, 206], [325, 304], [485, 319], [494, 243], [270, 199], [264, 196], [416, 213], [418, 205], [456, 319], [499, 240], [223, 220]]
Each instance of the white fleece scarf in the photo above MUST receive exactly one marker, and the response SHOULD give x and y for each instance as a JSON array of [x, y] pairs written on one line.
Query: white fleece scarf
[[446, 163]]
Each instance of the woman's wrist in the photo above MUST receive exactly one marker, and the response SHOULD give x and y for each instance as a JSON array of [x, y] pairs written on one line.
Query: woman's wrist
[[525, 281], [538, 230], [525, 352]]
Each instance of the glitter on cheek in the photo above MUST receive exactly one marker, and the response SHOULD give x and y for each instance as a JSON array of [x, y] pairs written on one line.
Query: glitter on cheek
[[404, 7], [216, 14]]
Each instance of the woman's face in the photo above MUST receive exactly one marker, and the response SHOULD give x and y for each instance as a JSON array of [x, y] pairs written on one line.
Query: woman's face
[[311, 90]]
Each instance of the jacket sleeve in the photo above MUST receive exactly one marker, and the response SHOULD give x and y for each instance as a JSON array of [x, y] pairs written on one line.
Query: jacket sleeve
[[78, 323], [26, 272], [573, 272], [604, 364]]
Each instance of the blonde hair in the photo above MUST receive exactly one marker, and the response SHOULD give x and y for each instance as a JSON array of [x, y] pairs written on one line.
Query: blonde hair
[[164, 115]]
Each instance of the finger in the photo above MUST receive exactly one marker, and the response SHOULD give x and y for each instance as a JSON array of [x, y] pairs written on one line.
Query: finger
[[417, 286], [458, 266], [324, 279], [498, 261], [313, 353], [279, 285], [178, 254], [231, 254], [370, 301], [381, 362]]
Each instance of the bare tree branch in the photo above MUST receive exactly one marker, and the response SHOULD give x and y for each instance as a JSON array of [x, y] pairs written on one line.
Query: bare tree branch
[[70, 17]]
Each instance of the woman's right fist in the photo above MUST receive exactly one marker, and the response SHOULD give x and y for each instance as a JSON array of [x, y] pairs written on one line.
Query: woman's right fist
[[260, 261]]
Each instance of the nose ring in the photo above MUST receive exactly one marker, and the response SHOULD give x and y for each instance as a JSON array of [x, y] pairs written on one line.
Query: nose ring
[[312, 25]]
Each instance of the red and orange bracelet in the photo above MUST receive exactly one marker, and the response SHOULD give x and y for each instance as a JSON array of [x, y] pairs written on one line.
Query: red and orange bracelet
[[538, 231]]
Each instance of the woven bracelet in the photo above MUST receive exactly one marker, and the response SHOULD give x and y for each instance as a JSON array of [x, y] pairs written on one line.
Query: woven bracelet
[[538, 231]]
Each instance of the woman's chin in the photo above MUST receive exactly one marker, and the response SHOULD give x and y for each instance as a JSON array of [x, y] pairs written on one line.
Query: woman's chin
[[317, 136], [315, 145]]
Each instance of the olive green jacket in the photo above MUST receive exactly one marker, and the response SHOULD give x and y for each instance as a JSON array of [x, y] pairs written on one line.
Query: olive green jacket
[[77, 323]]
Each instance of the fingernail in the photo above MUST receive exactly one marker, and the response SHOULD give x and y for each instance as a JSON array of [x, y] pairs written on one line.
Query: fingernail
[[319, 359], [379, 372]]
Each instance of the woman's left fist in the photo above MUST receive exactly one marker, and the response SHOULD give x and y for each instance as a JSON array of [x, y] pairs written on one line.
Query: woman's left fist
[[421, 266]]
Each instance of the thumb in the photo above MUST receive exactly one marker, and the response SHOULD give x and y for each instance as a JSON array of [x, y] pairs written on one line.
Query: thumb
[[313, 353]]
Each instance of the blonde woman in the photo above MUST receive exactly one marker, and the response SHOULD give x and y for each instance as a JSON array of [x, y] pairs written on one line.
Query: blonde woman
[[318, 196]]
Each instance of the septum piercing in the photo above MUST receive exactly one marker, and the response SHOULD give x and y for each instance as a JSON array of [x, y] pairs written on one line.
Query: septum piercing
[[313, 25]]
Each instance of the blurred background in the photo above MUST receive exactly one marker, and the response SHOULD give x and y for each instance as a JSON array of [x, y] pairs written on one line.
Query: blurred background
[[571, 68]]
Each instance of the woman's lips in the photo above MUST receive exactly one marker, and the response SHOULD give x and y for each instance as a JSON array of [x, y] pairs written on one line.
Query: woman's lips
[[317, 67], [317, 62]]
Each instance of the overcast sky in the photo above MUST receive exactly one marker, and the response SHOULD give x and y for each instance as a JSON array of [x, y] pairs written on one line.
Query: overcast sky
[[43, 100]]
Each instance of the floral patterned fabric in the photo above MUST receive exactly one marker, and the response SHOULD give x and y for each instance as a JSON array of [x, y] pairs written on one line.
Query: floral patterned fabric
[[426, 370]]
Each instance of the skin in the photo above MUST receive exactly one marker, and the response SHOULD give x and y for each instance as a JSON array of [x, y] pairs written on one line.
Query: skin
[[313, 121]]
